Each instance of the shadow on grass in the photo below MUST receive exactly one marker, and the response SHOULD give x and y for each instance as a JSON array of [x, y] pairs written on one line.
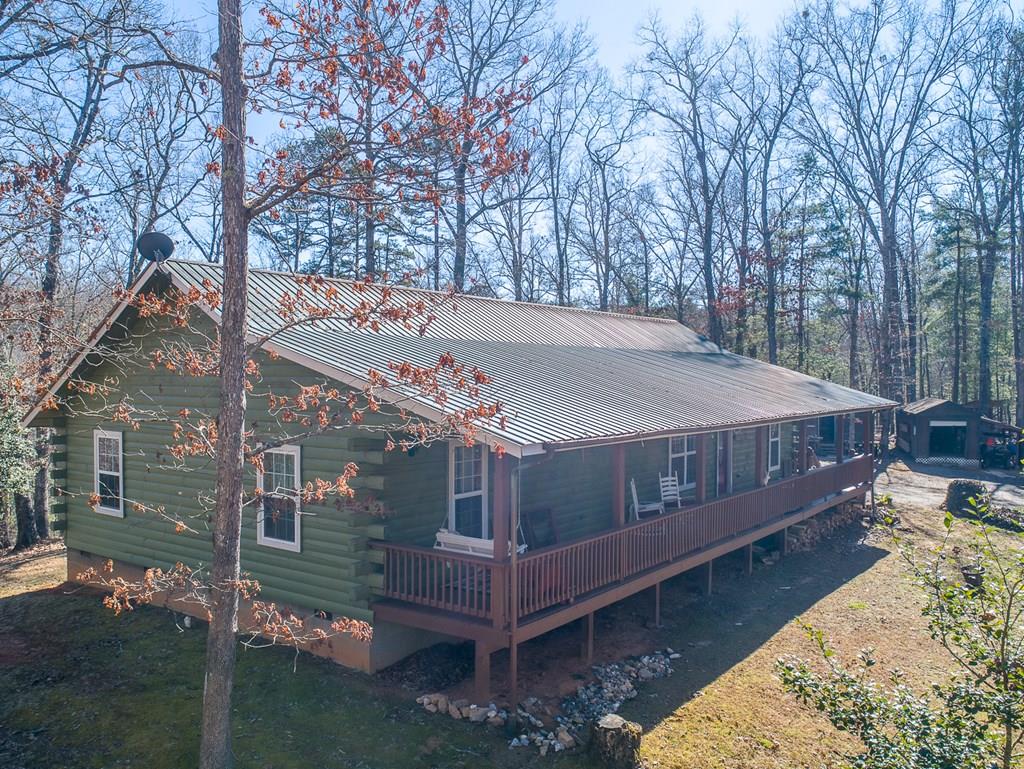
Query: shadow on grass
[[88, 689], [83, 688], [712, 633]]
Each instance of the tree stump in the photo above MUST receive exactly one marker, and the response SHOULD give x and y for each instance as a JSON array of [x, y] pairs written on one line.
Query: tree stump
[[616, 742]]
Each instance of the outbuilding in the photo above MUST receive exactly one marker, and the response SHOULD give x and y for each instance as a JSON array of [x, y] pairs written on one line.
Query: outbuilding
[[938, 431]]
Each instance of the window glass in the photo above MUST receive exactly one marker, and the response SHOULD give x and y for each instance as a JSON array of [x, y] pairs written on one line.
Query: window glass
[[108, 471], [280, 484], [683, 459], [468, 513], [774, 447]]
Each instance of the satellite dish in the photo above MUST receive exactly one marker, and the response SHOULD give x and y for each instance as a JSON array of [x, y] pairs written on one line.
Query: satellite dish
[[154, 246]]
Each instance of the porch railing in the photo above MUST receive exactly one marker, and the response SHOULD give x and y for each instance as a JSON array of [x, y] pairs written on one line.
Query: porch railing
[[443, 580], [478, 587], [562, 573]]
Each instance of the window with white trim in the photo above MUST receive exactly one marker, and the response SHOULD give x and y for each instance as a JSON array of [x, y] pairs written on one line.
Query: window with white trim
[[774, 447], [467, 491], [109, 465], [682, 459], [279, 517]]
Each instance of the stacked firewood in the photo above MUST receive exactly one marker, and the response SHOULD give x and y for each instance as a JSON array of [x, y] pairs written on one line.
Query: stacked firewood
[[807, 535]]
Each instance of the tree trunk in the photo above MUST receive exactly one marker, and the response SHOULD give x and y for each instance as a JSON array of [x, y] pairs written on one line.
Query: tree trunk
[[48, 289], [215, 747], [890, 377], [8, 528], [957, 340], [910, 386], [461, 235], [41, 490], [1017, 313], [986, 278], [710, 292], [25, 521]]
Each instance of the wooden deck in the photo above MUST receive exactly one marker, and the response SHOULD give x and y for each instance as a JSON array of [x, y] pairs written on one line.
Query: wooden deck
[[505, 603]]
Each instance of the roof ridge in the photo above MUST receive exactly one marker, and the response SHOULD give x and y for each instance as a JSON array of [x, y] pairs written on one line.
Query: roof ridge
[[472, 297]]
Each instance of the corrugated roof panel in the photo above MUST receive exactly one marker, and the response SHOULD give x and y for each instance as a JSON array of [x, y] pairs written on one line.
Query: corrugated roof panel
[[564, 375]]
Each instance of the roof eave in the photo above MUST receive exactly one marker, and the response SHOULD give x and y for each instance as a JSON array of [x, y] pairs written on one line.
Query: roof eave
[[611, 440]]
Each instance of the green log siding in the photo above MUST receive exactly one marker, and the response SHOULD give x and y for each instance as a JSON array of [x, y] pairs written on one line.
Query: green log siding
[[744, 474], [417, 494], [576, 486], [331, 571]]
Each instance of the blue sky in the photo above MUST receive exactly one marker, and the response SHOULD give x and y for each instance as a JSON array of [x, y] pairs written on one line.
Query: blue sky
[[612, 23]]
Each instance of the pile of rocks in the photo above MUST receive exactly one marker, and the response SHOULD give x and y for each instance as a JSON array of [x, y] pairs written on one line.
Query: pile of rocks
[[459, 709], [614, 684], [806, 535], [556, 729], [542, 728]]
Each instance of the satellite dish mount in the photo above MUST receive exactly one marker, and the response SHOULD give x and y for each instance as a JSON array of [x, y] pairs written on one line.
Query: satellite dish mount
[[154, 246]]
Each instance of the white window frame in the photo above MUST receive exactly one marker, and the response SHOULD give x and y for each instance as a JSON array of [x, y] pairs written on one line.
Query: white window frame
[[117, 512], [261, 538], [775, 436], [488, 536], [686, 453]]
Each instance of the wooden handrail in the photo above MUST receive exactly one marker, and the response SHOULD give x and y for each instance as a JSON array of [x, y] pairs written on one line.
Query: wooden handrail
[[560, 573]]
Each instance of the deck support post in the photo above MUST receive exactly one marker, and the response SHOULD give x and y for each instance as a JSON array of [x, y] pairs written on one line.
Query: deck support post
[[749, 554], [481, 672], [513, 672], [784, 541], [802, 457], [588, 639], [709, 571], [840, 437], [657, 604], [760, 455], [701, 490]]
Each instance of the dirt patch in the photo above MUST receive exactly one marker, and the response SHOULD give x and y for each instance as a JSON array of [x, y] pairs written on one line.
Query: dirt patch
[[42, 567], [432, 669]]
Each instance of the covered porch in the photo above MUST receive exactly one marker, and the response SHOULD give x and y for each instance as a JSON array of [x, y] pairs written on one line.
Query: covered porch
[[507, 597]]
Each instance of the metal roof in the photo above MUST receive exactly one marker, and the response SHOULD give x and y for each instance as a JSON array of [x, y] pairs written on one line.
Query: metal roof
[[564, 375], [464, 316], [927, 404], [567, 377]]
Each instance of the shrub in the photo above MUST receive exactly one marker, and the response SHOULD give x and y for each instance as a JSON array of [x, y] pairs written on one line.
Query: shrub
[[964, 497]]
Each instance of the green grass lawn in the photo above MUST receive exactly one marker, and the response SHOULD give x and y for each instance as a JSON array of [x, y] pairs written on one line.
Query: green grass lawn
[[83, 688], [80, 687]]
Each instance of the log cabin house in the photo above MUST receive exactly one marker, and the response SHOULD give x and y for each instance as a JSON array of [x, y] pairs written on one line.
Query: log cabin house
[[634, 450]]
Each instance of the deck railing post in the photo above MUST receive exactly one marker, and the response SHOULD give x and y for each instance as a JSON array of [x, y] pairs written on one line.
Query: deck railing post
[[619, 501], [701, 490], [504, 539], [802, 459], [760, 454]]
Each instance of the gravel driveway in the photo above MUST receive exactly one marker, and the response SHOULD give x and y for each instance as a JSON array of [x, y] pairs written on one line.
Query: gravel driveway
[[925, 485]]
